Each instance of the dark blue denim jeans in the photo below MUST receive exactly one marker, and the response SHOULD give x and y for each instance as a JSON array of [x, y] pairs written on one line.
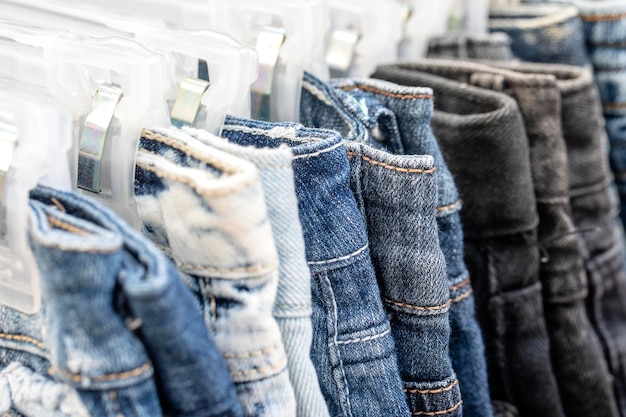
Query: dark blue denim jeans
[[396, 119], [353, 350], [550, 33], [577, 357], [483, 140], [118, 324]]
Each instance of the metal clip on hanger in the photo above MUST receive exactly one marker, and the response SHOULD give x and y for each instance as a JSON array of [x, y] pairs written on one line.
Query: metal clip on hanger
[[211, 71], [112, 86], [35, 135], [285, 34], [364, 33]]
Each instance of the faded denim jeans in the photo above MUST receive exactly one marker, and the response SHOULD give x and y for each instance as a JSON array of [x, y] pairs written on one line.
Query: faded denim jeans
[[207, 210], [396, 119], [292, 309], [117, 326], [353, 350]]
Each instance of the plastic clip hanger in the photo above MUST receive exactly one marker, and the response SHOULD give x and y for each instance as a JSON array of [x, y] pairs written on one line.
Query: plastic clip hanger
[[285, 34], [35, 135], [364, 33], [112, 86], [211, 71], [425, 20]]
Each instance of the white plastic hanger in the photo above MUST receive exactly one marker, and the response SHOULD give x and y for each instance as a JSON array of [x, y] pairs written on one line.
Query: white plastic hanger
[[364, 33], [197, 98], [421, 21], [35, 135], [285, 34], [282, 57], [112, 86]]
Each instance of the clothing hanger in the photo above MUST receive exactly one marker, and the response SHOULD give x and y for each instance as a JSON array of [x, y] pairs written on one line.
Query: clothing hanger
[[288, 34], [35, 135], [211, 71], [112, 87], [285, 34], [421, 21], [364, 33]]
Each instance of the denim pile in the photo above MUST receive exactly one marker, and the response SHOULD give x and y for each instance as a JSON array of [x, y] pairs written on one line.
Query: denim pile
[[441, 239]]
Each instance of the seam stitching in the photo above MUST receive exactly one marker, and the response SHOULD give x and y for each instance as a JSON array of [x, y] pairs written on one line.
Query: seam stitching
[[386, 93], [449, 206], [19, 338], [391, 167], [419, 308], [254, 353], [102, 378], [310, 155], [341, 258], [438, 413], [363, 339], [433, 391]]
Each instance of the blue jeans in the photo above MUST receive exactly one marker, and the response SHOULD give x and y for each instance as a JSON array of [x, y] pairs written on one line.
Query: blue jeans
[[224, 247], [353, 350], [122, 331], [396, 119], [292, 309]]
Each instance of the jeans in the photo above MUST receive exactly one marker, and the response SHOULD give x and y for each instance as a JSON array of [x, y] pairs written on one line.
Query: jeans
[[594, 209], [396, 119], [493, 46], [500, 226], [292, 309], [353, 350], [224, 246], [577, 357], [122, 331], [542, 33]]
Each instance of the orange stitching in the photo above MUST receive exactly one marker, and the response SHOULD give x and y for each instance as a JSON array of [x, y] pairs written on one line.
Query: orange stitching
[[420, 308], [54, 222], [116, 405], [460, 284], [614, 105], [22, 339], [110, 377], [449, 206], [385, 93], [462, 296], [603, 17], [433, 391], [260, 352], [58, 204], [391, 167], [438, 413]]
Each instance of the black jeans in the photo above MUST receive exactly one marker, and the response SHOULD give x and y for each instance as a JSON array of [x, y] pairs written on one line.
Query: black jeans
[[577, 358], [484, 142]]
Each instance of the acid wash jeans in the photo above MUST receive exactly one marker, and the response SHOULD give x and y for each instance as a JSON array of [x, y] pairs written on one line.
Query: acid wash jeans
[[578, 360], [117, 325], [396, 119], [353, 350], [207, 210], [483, 140], [292, 308]]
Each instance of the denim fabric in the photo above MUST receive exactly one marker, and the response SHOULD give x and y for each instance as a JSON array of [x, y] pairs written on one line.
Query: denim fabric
[[595, 209], [292, 309], [604, 23], [484, 143], [207, 210], [353, 350], [493, 46], [542, 33], [123, 327], [577, 357], [396, 119]]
